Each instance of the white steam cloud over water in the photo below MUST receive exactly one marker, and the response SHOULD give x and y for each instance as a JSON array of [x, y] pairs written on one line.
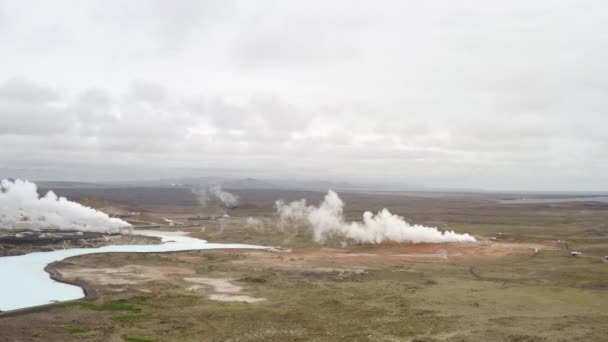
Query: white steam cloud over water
[[22, 208], [328, 220]]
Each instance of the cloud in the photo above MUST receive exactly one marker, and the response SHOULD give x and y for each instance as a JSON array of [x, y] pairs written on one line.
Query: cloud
[[168, 26], [147, 92], [22, 90], [29, 108], [476, 94]]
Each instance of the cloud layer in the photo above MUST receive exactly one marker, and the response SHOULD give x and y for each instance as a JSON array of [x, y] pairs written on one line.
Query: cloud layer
[[482, 94]]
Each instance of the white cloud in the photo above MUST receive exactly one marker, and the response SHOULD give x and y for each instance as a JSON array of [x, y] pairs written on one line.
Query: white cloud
[[443, 93]]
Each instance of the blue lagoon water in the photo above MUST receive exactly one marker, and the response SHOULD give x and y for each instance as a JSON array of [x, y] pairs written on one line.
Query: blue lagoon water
[[24, 283]]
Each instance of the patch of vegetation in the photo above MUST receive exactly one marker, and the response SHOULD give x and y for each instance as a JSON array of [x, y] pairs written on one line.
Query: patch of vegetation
[[258, 280], [127, 318], [136, 339], [113, 306], [79, 330], [140, 300]]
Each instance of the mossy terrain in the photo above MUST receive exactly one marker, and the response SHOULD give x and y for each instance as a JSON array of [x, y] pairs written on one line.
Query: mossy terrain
[[547, 296], [113, 306]]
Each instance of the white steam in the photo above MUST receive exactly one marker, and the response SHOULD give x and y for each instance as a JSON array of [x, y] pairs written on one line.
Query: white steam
[[328, 220], [22, 208], [215, 192], [229, 199], [255, 223]]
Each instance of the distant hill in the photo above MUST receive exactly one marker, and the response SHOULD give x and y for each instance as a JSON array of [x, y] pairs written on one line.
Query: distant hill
[[64, 185], [326, 185], [240, 183], [248, 183]]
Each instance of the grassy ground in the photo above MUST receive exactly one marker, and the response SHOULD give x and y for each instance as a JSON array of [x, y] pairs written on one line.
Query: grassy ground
[[549, 296]]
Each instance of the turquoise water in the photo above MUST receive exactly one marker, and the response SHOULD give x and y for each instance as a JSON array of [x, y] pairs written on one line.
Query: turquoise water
[[24, 283]]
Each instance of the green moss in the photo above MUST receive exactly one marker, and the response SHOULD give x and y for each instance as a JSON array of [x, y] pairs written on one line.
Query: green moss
[[79, 330], [113, 306]]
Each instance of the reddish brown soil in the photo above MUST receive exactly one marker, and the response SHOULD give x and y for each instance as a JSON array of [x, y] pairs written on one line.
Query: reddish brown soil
[[331, 258]]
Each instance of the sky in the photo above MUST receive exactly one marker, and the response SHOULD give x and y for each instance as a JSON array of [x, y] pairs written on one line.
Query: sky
[[483, 94]]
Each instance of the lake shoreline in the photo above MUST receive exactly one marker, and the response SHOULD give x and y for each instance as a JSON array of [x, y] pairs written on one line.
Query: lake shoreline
[[50, 287]]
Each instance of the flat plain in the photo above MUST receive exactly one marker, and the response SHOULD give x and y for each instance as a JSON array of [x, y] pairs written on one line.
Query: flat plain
[[519, 282]]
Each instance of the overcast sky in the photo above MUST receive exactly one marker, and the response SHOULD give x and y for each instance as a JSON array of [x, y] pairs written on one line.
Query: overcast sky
[[466, 94]]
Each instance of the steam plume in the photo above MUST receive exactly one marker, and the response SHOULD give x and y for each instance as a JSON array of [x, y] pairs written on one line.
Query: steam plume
[[213, 192], [22, 208], [328, 220], [229, 199], [254, 223]]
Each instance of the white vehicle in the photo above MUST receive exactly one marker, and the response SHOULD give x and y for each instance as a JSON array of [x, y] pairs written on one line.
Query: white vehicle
[[575, 253]]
